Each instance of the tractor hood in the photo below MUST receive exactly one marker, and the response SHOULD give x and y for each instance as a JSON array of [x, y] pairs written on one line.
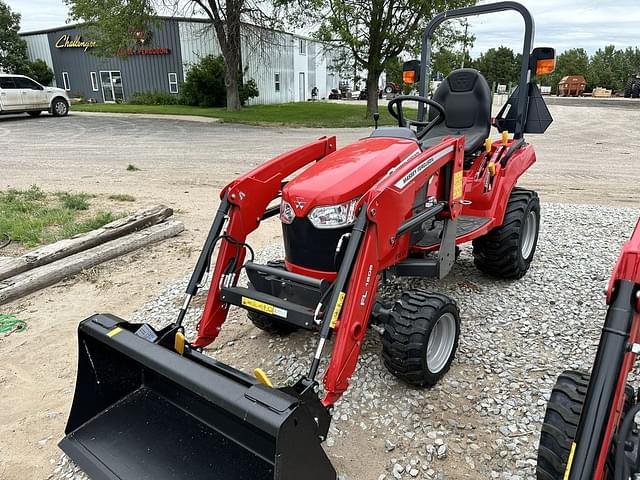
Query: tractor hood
[[346, 173]]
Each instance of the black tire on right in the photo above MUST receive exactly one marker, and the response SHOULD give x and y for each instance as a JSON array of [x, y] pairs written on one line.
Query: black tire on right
[[627, 88], [499, 252], [560, 424], [59, 107], [635, 90]]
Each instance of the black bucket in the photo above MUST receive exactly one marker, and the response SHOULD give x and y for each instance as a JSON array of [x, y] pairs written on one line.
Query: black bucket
[[142, 411]]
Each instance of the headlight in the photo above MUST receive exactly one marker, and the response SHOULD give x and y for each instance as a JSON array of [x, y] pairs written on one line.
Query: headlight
[[286, 213], [334, 216]]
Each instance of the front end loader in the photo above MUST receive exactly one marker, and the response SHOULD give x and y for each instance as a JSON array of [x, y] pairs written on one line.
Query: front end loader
[[589, 430], [150, 404]]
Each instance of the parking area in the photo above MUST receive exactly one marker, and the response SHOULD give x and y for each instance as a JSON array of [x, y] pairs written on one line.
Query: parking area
[[481, 422]]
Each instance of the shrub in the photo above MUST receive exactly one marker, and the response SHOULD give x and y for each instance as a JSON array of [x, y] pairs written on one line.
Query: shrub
[[153, 98], [41, 72], [204, 85]]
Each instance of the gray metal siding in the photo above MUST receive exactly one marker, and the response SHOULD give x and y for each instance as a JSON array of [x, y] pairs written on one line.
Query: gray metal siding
[[140, 73], [311, 66], [197, 40]]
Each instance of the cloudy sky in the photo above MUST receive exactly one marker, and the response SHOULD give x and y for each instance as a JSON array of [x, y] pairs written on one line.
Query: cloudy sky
[[590, 24]]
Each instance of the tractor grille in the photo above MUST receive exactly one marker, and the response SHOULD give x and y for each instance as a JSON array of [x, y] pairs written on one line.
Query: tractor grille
[[310, 247]]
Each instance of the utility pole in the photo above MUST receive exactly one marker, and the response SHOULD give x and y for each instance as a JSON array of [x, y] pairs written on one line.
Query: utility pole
[[464, 42]]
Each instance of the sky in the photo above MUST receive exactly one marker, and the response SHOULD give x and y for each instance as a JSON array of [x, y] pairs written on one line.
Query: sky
[[589, 24]]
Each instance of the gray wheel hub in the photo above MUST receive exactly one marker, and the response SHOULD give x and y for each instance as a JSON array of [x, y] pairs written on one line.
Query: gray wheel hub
[[529, 232], [60, 107], [441, 341]]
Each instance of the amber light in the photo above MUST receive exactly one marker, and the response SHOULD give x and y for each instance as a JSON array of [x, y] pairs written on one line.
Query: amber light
[[545, 67], [409, 76]]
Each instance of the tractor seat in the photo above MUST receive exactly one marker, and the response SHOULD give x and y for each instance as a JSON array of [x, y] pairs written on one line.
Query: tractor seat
[[466, 98]]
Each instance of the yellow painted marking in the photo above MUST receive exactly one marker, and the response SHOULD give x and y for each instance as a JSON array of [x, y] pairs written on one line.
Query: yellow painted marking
[[178, 343], [572, 452], [457, 185], [492, 169], [114, 332], [505, 138], [336, 311], [262, 377], [487, 145], [257, 305]]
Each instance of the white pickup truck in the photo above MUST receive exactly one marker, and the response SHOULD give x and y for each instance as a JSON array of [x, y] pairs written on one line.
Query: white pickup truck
[[20, 94]]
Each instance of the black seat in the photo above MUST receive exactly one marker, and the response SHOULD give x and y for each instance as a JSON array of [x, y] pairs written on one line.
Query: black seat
[[466, 98]]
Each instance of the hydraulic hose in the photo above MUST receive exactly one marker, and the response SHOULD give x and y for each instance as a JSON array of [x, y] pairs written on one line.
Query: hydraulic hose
[[625, 429]]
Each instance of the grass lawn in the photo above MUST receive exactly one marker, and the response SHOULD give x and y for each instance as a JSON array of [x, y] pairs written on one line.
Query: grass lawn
[[300, 114], [33, 217]]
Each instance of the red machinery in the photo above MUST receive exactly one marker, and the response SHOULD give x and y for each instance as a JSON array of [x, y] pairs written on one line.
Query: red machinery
[[150, 404], [589, 430]]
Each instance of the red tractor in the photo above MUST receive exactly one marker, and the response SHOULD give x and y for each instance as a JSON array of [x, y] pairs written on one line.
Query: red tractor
[[150, 404], [589, 430]]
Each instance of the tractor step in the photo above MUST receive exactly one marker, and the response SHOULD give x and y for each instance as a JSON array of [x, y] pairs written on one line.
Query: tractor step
[[282, 310], [466, 225]]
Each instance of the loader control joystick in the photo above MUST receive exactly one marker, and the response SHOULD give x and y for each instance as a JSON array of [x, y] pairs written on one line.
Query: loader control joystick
[[398, 114]]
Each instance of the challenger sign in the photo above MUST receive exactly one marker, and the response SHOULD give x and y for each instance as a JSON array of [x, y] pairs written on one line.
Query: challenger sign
[[65, 41]]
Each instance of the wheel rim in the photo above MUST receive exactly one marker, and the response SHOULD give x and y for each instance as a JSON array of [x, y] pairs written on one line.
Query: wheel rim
[[441, 341], [61, 108], [529, 230]]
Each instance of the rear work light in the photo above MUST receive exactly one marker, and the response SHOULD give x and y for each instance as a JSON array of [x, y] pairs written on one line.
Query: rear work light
[[334, 216]]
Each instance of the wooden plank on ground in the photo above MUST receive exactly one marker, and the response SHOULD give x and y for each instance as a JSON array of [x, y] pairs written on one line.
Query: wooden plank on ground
[[46, 275], [69, 246]]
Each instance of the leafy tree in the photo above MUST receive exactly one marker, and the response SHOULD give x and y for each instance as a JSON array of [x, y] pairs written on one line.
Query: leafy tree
[[113, 24], [374, 32], [602, 69], [40, 72], [499, 65], [204, 85], [13, 49]]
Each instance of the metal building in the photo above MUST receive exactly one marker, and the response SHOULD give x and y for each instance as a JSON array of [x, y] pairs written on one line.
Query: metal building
[[286, 67]]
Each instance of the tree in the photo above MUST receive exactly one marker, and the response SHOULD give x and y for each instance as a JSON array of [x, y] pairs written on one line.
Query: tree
[[114, 23], [40, 72], [499, 65], [13, 49], [602, 68], [374, 32]]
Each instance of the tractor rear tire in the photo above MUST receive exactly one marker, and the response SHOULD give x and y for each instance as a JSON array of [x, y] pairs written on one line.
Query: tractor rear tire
[[269, 325], [421, 337], [628, 87], [507, 251], [635, 90], [560, 424]]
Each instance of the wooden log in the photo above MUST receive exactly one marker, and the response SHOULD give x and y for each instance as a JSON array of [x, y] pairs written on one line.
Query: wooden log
[[46, 275], [69, 246]]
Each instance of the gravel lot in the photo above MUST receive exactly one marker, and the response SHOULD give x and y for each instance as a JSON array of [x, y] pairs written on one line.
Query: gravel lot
[[483, 420]]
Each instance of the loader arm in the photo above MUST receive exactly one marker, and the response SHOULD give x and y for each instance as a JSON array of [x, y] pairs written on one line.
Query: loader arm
[[248, 198], [385, 243], [615, 359]]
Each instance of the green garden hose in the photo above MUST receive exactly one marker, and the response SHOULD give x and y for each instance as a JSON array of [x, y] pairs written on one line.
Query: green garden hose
[[11, 323]]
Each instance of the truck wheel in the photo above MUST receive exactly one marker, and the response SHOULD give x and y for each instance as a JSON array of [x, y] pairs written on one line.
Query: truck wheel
[[59, 107], [507, 251], [421, 337], [35, 114]]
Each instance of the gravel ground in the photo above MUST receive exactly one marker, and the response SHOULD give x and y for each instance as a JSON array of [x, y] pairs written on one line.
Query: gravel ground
[[483, 419]]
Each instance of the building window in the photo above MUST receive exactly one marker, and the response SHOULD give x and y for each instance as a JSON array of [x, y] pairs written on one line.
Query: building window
[[65, 80], [94, 81], [303, 46], [173, 83], [277, 81]]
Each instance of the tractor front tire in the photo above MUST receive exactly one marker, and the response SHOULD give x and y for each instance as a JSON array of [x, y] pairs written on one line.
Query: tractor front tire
[[507, 251], [560, 424], [421, 337], [269, 325]]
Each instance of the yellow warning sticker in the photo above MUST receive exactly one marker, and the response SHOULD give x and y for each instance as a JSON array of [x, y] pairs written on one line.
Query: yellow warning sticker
[[457, 185], [336, 311], [572, 452], [257, 305], [114, 332]]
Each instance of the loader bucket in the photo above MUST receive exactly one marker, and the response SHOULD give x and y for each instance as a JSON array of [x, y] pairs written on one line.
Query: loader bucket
[[143, 411]]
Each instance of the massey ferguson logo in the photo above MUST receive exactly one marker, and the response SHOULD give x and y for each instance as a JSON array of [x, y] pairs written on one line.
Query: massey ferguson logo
[[299, 203]]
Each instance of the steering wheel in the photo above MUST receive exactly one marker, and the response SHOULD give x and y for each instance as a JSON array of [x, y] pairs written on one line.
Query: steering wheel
[[405, 122]]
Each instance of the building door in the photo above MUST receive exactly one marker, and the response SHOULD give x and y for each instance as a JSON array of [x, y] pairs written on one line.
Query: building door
[[302, 87], [112, 90]]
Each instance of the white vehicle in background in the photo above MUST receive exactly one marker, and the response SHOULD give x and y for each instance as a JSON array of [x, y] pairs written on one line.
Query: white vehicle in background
[[20, 94]]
